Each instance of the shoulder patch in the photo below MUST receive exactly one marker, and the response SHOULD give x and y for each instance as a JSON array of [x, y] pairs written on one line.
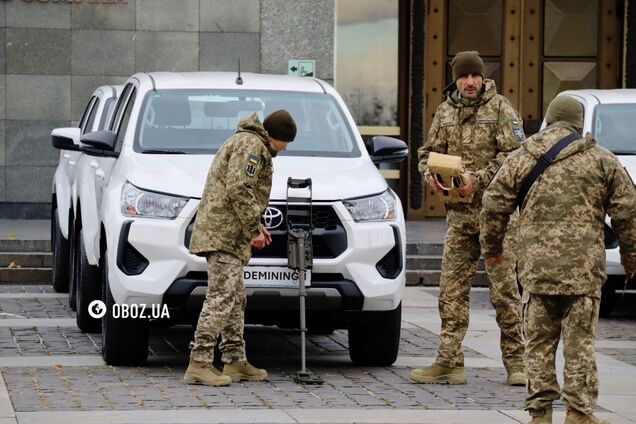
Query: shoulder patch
[[517, 130], [252, 162]]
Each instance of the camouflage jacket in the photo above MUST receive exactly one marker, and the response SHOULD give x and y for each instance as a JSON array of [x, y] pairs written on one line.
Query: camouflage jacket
[[561, 239], [483, 132], [236, 193]]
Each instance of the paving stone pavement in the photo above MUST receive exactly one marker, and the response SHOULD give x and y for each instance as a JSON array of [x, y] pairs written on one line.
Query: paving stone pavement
[[66, 393]]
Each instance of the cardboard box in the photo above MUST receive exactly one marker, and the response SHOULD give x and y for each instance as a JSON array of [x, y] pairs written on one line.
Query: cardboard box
[[448, 170]]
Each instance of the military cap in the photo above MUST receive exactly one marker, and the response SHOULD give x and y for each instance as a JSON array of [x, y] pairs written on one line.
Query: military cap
[[280, 125], [565, 108], [467, 62]]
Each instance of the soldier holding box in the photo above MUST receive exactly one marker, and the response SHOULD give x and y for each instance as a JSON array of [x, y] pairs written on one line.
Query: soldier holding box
[[480, 126]]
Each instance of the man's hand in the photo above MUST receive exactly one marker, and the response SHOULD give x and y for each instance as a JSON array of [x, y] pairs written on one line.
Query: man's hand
[[263, 239], [268, 236], [432, 181], [467, 189], [495, 260]]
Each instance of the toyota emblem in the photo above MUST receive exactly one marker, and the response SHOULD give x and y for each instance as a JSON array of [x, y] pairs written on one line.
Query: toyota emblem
[[273, 218]]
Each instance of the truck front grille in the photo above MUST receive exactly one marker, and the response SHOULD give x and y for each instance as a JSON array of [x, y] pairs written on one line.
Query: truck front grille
[[329, 236]]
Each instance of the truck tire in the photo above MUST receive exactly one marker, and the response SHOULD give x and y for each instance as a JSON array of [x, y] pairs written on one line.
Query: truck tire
[[376, 342], [124, 340], [88, 288], [60, 249], [72, 267]]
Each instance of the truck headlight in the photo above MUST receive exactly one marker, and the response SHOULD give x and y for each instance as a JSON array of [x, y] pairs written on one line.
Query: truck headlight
[[375, 208], [140, 203]]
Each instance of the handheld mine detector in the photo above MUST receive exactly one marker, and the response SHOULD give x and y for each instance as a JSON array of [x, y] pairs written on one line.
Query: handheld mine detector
[[300, 256]]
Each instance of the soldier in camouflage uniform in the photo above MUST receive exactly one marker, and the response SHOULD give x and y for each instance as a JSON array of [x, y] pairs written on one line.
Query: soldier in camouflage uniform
[[482, 128], [227, 225], [562, 260]]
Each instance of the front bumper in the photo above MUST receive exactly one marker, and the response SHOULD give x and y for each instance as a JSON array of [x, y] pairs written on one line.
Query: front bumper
[[330, 297], [348, 282]]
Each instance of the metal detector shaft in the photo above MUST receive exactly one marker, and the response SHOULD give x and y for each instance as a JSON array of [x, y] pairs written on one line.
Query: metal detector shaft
[[304, 376], [301, 295], [301, 266], [300, 258]]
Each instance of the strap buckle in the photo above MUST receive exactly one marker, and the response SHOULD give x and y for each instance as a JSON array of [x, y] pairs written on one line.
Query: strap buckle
[[545, 159]]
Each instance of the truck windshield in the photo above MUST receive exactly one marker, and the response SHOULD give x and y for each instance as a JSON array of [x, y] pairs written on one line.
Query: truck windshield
[[199, 121], [613, 127]]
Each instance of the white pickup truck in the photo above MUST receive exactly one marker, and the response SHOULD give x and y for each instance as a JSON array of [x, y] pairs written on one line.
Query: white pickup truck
[[154, 160]]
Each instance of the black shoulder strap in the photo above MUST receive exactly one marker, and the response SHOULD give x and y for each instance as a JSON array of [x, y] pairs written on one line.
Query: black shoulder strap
[[542, 163]]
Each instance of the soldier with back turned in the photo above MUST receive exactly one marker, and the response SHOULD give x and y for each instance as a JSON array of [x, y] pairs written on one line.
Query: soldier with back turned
[[562, 263]]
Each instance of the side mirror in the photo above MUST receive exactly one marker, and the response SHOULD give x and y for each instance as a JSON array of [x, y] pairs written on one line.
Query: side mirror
[[388, 149], [66, 138], [100, 140]]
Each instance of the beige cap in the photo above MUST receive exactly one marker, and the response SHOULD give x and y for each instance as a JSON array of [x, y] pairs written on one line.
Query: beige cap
[[566, 109]]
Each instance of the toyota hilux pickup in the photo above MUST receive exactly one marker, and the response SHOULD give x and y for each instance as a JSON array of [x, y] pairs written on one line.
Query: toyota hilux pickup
[[162, 139]]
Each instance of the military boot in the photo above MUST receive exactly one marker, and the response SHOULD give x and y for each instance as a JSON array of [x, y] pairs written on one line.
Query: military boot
[[517, 378], [202, 373], [541, 416], [243, 370], [576, 417], [437, 374]]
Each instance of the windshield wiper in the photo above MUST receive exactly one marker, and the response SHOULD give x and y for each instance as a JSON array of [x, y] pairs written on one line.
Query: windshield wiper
[[624, 152], [164, 152]]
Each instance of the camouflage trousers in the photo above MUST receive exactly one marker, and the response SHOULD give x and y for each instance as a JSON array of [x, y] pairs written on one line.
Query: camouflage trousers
[[545, 319], [223, 312], [459, 265]]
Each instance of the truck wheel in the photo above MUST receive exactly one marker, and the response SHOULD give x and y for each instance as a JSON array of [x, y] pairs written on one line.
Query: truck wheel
[[59, 247], [72, 268], [608, 295], [87, 289], [376, 342], [124, 340]]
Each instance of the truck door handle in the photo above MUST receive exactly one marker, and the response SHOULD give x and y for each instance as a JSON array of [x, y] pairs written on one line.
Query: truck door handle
[[71, 162], [93, 164], [100, 173], [67, 155]]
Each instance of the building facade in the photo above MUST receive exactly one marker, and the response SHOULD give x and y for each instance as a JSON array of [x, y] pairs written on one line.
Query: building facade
[[533, 49], [54, 53], [388, 58]]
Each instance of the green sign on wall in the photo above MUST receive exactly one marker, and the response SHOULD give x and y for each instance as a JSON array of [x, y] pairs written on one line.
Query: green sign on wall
[[301, 68]]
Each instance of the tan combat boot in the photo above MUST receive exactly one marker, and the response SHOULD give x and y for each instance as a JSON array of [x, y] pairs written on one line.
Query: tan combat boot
[[517, 378], [202, 373], [541, 416], [576, 417], [243, 370], [437, 374]]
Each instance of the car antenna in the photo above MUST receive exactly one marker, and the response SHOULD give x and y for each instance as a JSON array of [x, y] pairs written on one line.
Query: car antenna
[[239, 80]]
